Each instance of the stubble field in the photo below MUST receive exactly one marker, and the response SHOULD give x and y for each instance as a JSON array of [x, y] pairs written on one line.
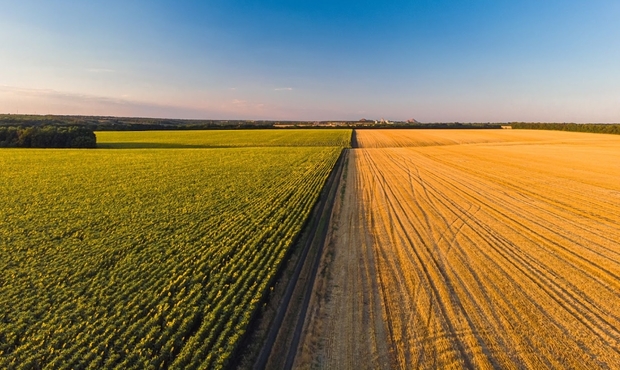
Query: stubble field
[[472, 249]]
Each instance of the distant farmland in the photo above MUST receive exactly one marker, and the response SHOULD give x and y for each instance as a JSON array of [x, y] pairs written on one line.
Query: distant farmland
[[223, 138], [151, 257], [472, 249]]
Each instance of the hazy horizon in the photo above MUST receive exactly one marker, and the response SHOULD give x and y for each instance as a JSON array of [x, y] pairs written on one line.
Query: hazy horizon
[[441, 61]]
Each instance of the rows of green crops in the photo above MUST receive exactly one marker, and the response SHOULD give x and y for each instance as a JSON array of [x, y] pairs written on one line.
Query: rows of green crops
[[144, 258], [223, 138]]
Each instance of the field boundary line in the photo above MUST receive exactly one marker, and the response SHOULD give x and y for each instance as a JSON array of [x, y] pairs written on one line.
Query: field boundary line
[[321, 218]]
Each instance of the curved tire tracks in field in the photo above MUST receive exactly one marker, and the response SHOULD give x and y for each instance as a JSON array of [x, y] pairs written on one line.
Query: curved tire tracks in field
[[477, 249]]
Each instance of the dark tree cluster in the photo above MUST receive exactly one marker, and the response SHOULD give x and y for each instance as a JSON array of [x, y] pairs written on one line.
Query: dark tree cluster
[[590, 127], [100, 123], [47, 137]]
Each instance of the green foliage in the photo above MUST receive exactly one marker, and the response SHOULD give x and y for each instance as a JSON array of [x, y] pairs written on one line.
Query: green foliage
[[590, 127], [150, 258], [224, 138], [47, 137], [105, 123]]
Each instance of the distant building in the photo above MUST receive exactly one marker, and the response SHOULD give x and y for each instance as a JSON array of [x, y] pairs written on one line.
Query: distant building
[[507, 127]]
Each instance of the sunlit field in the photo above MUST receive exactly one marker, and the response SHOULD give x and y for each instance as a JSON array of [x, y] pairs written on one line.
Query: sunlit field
[[473, 249], [147, 258], [223, 138]]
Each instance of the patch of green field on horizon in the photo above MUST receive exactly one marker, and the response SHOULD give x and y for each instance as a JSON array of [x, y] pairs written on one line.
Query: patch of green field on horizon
[[223, 138]]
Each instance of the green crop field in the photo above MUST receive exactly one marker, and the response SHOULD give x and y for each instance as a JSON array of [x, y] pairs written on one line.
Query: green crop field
[[223, 138], [146, 258]]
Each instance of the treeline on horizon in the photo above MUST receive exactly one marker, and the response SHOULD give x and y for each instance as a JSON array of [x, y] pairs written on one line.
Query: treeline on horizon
[[100, 123], [47, 136], [578, 127]]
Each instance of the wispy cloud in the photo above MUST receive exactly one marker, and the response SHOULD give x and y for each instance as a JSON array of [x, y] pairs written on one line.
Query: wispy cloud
[[283, 89], [49, 101], [100, 70], [244, 105]]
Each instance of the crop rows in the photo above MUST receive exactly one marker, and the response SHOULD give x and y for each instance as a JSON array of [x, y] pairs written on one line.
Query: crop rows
[[144, 258], [224, 138]]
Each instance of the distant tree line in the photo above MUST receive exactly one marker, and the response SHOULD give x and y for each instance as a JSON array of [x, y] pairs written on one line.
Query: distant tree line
[[579, 127], [103, 123], [47, 137], [439, 125]]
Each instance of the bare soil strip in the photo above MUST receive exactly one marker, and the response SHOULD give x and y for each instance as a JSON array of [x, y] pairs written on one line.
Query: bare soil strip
[[486, 249], [278, 351]]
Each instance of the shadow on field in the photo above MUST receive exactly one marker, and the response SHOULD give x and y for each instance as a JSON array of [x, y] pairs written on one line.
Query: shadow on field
[[354, 143]]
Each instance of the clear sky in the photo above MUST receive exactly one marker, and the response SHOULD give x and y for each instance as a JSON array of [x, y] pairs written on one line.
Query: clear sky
[[442, 60]]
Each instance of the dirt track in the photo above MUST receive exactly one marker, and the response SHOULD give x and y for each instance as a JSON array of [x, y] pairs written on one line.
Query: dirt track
[[477, 249]]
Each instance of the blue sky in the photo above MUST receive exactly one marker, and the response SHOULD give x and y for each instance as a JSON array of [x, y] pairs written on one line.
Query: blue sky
[[446, 60]]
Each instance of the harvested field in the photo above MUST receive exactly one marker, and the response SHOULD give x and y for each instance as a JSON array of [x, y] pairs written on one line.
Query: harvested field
[[417, 138], [486, 249]]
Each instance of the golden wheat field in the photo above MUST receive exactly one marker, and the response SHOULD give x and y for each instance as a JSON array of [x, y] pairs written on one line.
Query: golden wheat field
[[471, 249]]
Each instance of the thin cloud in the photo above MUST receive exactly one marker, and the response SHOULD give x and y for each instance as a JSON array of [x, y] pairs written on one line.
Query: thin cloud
[[283, 89], [49, 101], [100, 70]]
